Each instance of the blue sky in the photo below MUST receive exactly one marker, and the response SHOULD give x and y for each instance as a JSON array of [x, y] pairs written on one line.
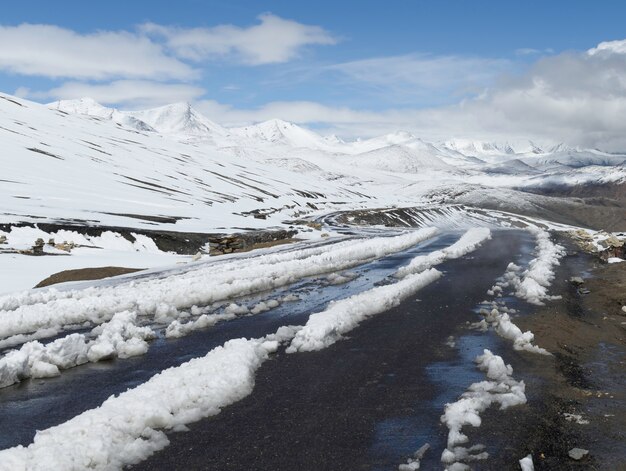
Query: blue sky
[[355, 67]]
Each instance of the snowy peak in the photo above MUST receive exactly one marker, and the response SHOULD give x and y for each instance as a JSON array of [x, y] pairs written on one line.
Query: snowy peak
[[392, 139], [477, 148], [278, 131], [402, 159], [179, 118], [85, 105], [89, 106]]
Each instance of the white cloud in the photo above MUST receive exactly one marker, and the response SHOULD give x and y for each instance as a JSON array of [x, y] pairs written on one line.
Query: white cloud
[[577, 98], [128, 94], [422, 76], [51, 51], [609, 47], [274, 40], [153, 52], [529, 51]]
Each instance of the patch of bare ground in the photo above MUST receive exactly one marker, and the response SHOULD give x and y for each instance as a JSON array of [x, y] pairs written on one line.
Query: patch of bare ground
[[84, 274], [273, 243]]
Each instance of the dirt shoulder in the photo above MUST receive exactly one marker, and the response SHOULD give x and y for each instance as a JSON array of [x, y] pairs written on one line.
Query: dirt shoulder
[[586, 332]]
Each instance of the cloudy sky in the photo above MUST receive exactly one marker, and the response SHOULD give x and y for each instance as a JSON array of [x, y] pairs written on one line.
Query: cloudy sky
[[482, 69]]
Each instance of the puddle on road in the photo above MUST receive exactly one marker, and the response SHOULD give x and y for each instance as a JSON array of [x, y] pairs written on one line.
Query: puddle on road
[[402, 436]]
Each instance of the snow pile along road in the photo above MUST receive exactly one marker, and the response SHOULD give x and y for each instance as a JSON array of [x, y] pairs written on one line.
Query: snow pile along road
[[326, 327], [532, 284], [120, 337], [128, 428], [468, 242], [500, 388], [498, 317], [29, 312]]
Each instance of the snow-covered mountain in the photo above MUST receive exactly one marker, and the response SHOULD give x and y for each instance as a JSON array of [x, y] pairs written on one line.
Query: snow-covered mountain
[[400, 152], [80, 160], [90, 107], [401, 159], [179, 119], [89, 169], [478, 148], [277, 131]]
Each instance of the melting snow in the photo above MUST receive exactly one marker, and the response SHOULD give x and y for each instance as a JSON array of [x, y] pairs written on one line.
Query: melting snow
[[468, 242], [500, 388]]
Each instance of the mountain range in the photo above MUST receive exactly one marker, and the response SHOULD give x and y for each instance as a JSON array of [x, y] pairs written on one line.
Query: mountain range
[[173, 168]]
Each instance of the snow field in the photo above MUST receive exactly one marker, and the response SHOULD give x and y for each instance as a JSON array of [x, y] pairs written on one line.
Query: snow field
[[20, 272], [500, 388], [25, 237]]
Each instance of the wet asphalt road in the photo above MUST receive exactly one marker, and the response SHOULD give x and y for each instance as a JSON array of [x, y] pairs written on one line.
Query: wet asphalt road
[[369, 401]]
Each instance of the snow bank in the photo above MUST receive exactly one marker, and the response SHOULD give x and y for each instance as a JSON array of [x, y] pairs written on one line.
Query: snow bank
[[28, 312], [500, 388], [176, 329], [468, 242], [498, 317], [35, 360], [128, 428], [326, 327], [532, 284], [120, 337], [338, 279], [521, 340], [263, 306]]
